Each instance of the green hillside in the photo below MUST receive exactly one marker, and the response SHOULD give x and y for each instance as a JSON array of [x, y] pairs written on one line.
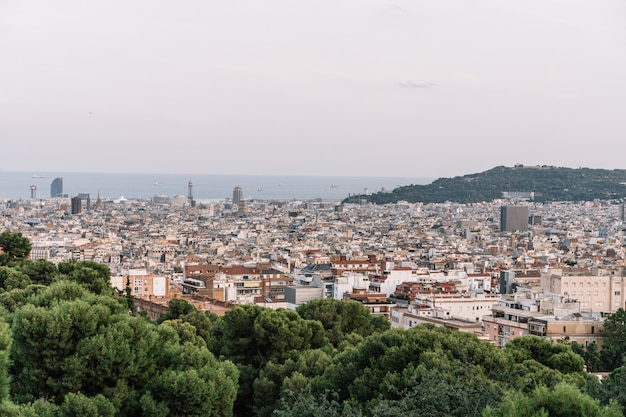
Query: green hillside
[[546, 183]]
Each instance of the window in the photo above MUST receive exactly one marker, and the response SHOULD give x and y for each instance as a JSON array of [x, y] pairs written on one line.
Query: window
[[618, 293], [564, 329], [593, 329]]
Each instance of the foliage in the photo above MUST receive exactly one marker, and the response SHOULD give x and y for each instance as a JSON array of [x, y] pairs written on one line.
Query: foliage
[[564, 400], [92, 275], [69, 347], [40, 271], [278, 381], [547, 184], [15, 247], [557, 356], [308, 404], [11, 278], [75, 351], [590, 355], [340, 318], [251, 336], [613, 333], [5, 345], [614, 387]]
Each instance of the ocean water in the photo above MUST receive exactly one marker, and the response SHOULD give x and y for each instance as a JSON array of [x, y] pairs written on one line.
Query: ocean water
[[17, 185]]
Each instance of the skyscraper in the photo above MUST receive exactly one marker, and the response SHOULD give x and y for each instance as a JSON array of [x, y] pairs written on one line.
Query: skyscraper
[[513, 218], [237, 196], [56, 187], [76, 205]]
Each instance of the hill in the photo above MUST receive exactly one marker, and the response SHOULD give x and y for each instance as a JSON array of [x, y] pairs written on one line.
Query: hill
[[539, 183]]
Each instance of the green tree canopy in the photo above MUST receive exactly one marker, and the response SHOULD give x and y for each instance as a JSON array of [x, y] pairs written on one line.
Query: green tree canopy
[[340, 318], [15, 247], [564, 400], [613, 334], [92, 275]]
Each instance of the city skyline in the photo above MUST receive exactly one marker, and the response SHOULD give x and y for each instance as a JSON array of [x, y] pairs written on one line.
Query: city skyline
[[375, 88]]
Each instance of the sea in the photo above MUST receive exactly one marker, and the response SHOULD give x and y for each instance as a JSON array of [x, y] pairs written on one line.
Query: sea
[[23, 185]]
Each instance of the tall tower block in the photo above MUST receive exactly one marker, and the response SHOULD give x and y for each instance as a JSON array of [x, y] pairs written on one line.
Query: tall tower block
[[192, 202]]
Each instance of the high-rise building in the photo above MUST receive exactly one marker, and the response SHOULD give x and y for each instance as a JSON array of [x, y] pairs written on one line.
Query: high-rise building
[[76, 205], [237, 196], [56, 187], [513, 218]]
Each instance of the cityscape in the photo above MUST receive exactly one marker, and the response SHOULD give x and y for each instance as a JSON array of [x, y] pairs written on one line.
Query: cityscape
[[299, 209], [499, 270]]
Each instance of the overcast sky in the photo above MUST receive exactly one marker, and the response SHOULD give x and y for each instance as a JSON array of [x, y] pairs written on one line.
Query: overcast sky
[[415, 88]]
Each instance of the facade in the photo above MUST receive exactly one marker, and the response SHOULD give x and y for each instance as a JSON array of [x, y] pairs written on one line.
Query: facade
[[56, 187], [513, 218], [603, 292], [142, 283], [549, 316], [376, 304], [295, 296], [77, 205], [582, 328], [237, 196]]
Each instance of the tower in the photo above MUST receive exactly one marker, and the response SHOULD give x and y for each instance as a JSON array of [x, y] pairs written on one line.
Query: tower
[[33, 192], [192, 203], [237, 196], [513, 218], [77, 205], [56, 187]]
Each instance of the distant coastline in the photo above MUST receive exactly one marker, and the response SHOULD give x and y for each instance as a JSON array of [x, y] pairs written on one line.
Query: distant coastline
[[17, 185]]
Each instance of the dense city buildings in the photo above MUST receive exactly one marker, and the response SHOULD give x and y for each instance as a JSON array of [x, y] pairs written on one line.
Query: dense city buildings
[[481, 268]]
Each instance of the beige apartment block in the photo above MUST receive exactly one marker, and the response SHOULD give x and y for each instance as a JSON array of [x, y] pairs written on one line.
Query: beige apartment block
[[552, 317], [142, 284], [457, 307], [598, 291]]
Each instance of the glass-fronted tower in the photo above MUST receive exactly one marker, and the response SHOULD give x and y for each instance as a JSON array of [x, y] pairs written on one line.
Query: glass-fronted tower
[[56, 188]]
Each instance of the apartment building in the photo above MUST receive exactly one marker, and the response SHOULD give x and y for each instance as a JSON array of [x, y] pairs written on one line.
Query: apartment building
[[143, 284], [597, 290]]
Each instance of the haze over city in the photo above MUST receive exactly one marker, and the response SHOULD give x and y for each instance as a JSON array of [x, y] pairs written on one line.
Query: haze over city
[[352, 88]]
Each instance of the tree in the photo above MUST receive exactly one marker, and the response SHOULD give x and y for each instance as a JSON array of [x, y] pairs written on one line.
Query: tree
[[5, 345], [590, 355], [79, 405], [614, 387], [15, 247], [564, 400], [613, 333], [130, 300], [251, 336], [40, 271], [308, 404], [11, 278], [278, 381], [557, 356], [179, 309], [340, 318], [92, 275]]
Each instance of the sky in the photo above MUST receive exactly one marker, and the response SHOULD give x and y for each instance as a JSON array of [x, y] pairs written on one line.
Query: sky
[[400, 88]]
